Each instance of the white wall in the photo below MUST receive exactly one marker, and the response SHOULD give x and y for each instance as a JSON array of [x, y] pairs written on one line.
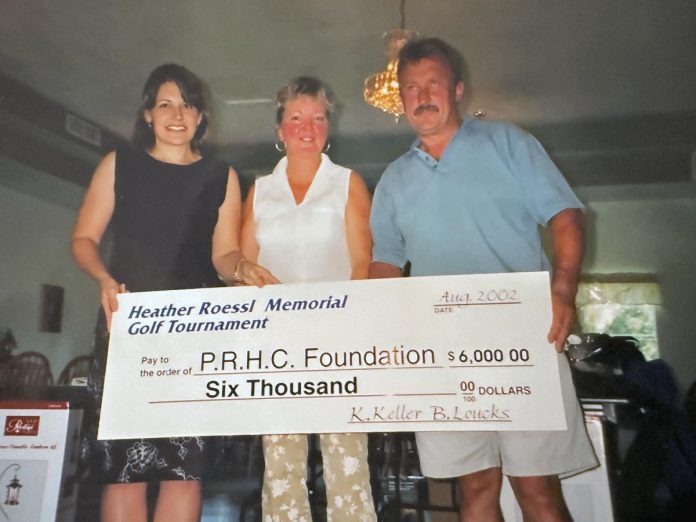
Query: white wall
[[34, 250], [651, 230]]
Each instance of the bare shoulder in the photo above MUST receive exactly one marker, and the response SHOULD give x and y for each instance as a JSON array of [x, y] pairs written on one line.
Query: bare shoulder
[[359, 199], [104, 175], [248, 209], [250, 193], [107, 164], [109, 159], [231, 173], [357, 184]]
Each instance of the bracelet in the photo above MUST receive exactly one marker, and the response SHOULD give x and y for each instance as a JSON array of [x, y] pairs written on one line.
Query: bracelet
[[236, 277]]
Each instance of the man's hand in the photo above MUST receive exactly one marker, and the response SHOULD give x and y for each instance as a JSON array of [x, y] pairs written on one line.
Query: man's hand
[[563, 318], [379, 270]]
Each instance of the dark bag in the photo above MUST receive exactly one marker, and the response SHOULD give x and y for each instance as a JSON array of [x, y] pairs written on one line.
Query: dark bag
[[599, 363], [659, 473]]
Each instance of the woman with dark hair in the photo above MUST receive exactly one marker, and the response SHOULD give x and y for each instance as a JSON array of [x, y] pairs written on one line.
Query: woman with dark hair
[[308, 221], [175, 218]]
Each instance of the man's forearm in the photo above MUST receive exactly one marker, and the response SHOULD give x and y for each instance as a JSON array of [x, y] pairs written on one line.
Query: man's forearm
[[379, 270], [567, 235]]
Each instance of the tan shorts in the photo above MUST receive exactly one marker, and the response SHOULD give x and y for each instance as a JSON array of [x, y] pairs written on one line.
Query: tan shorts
[[518, 453]]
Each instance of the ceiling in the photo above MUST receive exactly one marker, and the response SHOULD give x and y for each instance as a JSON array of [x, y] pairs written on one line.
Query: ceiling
[[534, 62]]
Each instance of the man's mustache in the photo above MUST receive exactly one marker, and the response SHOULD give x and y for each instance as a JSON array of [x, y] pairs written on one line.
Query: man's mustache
[[425, 107]]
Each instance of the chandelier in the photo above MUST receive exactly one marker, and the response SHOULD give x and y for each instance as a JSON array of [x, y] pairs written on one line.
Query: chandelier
[[382, 88]]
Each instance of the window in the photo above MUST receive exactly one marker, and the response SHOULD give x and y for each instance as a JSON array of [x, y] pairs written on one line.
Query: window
[[621, 309]]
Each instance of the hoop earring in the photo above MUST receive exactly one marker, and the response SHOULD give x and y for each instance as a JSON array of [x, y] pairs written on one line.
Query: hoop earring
[[327, 147], [278, 147]]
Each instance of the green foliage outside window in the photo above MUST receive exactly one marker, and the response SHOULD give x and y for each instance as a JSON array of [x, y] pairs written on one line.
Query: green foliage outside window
[[636, 320], [627, 307]]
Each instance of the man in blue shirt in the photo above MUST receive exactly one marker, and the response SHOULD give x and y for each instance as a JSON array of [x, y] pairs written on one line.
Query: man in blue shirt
[[468, 197]]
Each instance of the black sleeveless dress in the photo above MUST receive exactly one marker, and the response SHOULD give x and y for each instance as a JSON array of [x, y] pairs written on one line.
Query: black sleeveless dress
[[162, 229]]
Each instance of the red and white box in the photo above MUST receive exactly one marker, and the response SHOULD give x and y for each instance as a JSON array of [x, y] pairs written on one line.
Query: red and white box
[[39, 447]]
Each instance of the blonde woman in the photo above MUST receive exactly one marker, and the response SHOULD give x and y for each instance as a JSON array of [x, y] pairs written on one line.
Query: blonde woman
[[309, 221]]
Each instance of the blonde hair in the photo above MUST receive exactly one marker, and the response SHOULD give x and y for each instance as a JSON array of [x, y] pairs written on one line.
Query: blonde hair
[[303, 86]]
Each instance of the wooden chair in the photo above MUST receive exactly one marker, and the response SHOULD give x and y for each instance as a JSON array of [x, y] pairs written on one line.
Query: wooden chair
[[29, 374], [4, 378], [77, 367]]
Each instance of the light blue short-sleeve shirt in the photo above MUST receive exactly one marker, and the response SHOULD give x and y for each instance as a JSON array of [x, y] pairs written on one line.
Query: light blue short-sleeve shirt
[[476, 210]]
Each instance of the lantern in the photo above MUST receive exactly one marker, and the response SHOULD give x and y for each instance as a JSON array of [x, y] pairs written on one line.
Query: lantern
[[12, 498]]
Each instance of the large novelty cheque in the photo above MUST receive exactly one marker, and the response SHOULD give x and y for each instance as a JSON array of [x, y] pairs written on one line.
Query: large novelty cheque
[[410, 354]]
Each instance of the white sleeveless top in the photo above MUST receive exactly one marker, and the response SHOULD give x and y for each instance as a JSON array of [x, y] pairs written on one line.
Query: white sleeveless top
[[305, 242]]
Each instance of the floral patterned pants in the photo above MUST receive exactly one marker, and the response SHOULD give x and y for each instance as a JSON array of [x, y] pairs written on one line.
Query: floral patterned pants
[[346, 475]]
